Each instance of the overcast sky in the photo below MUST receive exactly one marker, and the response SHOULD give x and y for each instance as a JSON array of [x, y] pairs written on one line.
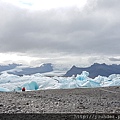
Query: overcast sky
[[67, 32]]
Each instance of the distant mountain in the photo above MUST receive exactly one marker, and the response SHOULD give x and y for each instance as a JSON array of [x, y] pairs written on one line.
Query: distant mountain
[[8, 67], [95, 70], [33, 70]]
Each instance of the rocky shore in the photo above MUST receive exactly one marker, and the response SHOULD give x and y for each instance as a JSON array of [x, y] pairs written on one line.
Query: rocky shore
[[80, 100]]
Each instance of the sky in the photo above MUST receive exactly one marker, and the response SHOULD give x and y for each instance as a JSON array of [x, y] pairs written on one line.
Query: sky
[[62, 32]]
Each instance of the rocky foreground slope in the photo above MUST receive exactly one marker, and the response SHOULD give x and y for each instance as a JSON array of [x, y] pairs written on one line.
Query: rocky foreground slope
[[82, 100]]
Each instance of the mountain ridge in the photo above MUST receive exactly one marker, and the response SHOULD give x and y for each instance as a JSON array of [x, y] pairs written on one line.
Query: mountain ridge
[[8, 67], [95, 70], [33, 70]]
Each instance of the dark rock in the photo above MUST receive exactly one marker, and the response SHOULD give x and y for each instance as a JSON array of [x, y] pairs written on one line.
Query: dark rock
[[1, 105]]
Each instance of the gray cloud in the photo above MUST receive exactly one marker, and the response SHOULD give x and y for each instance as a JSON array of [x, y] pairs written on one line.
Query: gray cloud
[[114, 59], [93, 31]]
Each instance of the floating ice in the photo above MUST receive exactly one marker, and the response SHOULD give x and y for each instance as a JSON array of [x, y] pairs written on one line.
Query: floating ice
[[4, 89], [9, 82], [91, 84], [83, 76]]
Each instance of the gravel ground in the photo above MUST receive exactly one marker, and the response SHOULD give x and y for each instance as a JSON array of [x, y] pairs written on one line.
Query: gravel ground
[[80, 100]]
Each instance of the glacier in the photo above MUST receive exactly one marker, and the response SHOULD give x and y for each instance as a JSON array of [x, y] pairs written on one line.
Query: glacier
[[10, 82]]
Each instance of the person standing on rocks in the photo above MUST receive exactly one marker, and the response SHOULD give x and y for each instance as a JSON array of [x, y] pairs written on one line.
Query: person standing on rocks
[[23, 89]]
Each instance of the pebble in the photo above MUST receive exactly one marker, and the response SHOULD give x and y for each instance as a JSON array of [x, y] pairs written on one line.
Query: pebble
[[1, 105]]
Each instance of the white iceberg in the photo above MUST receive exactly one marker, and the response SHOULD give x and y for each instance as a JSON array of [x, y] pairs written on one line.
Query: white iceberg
[[9, 82]]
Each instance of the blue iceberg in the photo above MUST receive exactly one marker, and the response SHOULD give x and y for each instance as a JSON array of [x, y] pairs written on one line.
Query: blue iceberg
[[28, 86], [4, 89]]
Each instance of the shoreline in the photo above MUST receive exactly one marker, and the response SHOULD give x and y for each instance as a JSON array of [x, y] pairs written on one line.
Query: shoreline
[[78, 100]]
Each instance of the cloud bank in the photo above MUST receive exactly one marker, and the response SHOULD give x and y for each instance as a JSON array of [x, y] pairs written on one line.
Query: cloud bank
[[93, 31]]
